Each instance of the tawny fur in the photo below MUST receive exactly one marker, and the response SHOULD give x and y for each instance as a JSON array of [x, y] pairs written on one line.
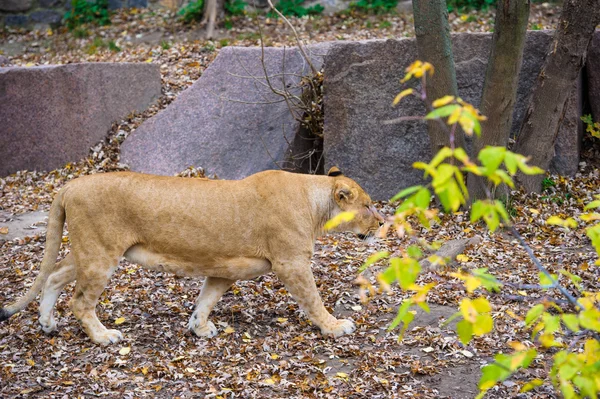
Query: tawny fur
[[223, 230]]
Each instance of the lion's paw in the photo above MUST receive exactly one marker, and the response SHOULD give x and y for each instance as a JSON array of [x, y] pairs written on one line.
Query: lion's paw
[[341, 327], [108, 337], [48, 325], [208, 330]]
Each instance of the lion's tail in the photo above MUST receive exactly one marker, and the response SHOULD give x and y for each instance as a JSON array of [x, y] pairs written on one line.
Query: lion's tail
[[56, 221]]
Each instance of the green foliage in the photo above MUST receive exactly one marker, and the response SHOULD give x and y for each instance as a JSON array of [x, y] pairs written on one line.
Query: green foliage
[[191, 11], [593, 128], [165, 45], [294, 8], [375, 6], [85, 11], [575, 368], [466, 5], [547, 184], [235, 7]]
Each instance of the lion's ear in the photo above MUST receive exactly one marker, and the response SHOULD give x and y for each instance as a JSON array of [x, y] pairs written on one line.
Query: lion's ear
[[343, 193], [334, 171]]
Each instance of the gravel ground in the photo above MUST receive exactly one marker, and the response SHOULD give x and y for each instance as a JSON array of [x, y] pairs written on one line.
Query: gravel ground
[[265, 346]]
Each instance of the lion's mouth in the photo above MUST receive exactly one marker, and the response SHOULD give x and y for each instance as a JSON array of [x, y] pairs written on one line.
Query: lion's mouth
[[366, 236]]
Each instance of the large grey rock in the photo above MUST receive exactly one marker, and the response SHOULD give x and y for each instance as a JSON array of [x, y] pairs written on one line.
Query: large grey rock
[[46, 17], [362, 79], [51, 115], [16, 20], [593, 76], [228, 122], [15, 5]]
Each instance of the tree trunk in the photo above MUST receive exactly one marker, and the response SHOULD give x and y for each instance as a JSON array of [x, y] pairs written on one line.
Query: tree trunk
[[501, 80], [434, 46], [210, 14], [553, 85]]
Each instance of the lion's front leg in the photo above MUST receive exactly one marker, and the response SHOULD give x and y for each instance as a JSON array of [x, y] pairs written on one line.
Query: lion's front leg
[[212, 290], [300, 282]]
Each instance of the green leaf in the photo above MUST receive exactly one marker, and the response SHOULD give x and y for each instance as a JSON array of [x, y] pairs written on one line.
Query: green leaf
[[440, 156], [545, 280], [571, 321], [534, 313], [405, 192], [423, 198], [593, 204], [483, 325], [531, 385], [511, 162], [402, 311], [409, 271], [442, 111], [567, 371], [586, 385], [491, 375], [414, 251], [551, 323], [567, 390], [477, 210], [491, 158], [464, 329], [590, 319]]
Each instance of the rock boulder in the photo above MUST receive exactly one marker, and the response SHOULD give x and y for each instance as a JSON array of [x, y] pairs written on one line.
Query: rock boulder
[[361, 81], [228, 122], [51, 115]]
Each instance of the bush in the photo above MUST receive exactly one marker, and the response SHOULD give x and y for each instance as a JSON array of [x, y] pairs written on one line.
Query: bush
[[465, 5], [85, 11], [375, 6], [235, 7], [294, 8], [191, 11]]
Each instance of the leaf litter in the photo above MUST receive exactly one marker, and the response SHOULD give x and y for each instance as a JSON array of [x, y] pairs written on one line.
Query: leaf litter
[[265, 346]]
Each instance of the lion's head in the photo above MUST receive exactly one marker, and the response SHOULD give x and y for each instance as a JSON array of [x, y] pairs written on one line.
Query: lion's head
[[350, 197]]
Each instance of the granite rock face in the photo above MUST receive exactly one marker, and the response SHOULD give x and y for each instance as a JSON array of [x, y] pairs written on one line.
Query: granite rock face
[[15, 5], [593, 76], [52, 115], [228, 122], [361, 81]]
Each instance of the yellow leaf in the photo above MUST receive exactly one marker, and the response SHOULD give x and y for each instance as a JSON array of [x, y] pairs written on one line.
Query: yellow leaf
[[440, 102], [29, 64], [462, 258], [402, 94], [342, 375], [190, 370], [144, 370], [454, 116], [30, 362], [468, 311], [269, 381], [534, 211], [229, 330], [274, 356], [282, 319], [120, 320], [338, 219], [125, 351], [149, 60], [3, 230]]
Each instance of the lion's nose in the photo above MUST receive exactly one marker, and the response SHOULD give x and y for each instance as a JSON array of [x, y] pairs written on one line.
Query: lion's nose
[[381, 223]]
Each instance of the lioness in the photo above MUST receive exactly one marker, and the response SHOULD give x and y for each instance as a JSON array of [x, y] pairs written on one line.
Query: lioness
[[224, 230]]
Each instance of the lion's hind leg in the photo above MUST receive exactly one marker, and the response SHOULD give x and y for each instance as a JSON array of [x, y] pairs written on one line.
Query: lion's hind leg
[[63, 274], [92, 278], [212, 290]]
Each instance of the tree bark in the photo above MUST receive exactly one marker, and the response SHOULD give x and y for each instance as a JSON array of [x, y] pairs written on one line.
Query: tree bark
[[546, 108], [210, 15], [434, 46], [501, 80]]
